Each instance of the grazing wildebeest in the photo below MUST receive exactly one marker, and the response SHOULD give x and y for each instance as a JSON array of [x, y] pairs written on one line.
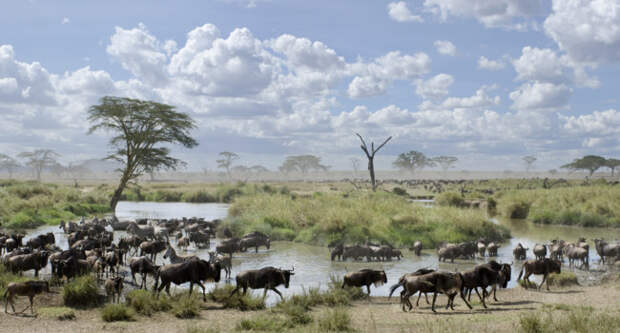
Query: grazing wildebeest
[[573, 253], [25, 262], [520, 252], [41, 241], [403, 280], [144, 266], [607, 250], [152, 248], [356, 252], [255, 241], [114, 287], [450, 251], [193, 271], [28, 288], [447, 283], [540, 251], [364, 277], [417, 248], [543, 266], [174, 258], [224, 261], [267, 278]]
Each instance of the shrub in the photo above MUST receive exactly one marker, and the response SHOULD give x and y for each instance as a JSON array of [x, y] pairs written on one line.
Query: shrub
[[266, 323], [81, 292], [185, 306], [221, 294], [297, 314], [145, 303], [563, 279], [518, 210], [400, 191], [450, 199], [335, 320], [117, 312]]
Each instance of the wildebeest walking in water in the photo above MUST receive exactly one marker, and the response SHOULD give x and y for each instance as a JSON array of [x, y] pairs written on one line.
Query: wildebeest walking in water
[[29, 288], [364, 277], [193, 271], [542, 267], [267, 278]]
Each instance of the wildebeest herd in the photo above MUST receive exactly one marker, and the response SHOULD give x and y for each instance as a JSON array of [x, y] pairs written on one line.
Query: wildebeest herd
[[92, 250]]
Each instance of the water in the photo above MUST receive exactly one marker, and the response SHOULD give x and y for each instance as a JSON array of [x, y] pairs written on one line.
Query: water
[[312, 263]]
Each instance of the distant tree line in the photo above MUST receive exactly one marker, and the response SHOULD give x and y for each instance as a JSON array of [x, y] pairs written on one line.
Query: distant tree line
[[591, 163]]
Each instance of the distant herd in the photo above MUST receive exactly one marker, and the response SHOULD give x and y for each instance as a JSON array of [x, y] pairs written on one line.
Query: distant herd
[[92, 250]]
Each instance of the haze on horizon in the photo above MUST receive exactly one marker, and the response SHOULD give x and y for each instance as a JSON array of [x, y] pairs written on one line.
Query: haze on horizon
[[486, 81]]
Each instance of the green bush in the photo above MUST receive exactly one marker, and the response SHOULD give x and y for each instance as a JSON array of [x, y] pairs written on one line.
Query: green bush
[[117, 312], [450, 199], [517, 210], [221, 294], [265, 323], [185, 306], [81, 292], [563, 279], [145, 303], [400, 191], [335, 320]]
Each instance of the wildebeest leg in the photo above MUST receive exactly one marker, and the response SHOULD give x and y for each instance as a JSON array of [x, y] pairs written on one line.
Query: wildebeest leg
[[277, 292], [204, 294], [417, 303], [191, 287], [256, 249], [464, 300], [234, 291], [368, 288], [265, 293], [434, 298], [495, 293], [543, 281]]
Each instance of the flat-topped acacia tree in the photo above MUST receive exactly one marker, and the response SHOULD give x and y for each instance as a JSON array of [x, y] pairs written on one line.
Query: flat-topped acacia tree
[[141, 130]]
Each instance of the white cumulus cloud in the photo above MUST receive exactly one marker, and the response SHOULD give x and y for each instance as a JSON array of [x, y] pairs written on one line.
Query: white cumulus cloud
[[399, 12], [445, 47]]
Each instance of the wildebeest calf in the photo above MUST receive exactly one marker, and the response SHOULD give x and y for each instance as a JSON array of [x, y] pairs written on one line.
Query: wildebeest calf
[[28, 288], [114, 287]]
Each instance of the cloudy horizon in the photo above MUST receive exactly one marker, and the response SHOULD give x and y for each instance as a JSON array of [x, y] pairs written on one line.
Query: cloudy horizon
[[488, 82]]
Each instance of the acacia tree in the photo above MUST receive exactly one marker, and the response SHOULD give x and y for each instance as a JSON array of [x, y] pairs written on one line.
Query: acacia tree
[[227, 161], [590, 163], [445, 162], [612, 163], [529, 161], [412, 161], [9, 164], [370, 154], [141, 129], [39, 160]]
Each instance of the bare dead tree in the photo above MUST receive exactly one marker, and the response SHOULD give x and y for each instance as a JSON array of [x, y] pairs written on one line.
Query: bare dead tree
[[371, 157]]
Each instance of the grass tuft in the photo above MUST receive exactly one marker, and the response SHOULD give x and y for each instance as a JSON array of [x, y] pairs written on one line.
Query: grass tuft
[[249, 302], [81, 292], [117, 312], [335, 320], [146, 304], [563, 279]]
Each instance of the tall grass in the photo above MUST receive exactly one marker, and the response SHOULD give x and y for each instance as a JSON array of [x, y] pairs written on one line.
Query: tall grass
[[324, 217], [81, 292], [586, 206], [570, 319], [26, 205], [117, 312]]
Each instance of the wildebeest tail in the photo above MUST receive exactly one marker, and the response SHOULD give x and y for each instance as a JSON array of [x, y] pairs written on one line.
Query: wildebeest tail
[[521, 272], [394, 287]]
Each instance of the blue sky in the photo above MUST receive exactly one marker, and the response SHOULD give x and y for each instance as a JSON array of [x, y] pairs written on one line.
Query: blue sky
[[272, 78]]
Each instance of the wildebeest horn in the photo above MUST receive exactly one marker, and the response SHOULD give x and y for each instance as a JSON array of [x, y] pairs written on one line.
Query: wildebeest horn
[[292, 270]]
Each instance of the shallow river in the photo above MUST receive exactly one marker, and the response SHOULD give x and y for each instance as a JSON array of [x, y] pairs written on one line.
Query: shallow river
[[312, 264]]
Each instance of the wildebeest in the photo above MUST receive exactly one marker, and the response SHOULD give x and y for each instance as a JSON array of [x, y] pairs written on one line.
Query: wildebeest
[[255, 240], [356, 252], [451, 251], [520, 252], [25, 262], [224, 261], [337, 252], [482, 247], [55, 258], [447, 283], [267, 278], [41, 241], [183, 243], [467, 249], [483, 276], [607, 250], [543, 267], [540, 251], [72, 267], [152, 248], [144, 266], [387, 253], [403, 279], [174, 258], [193, 271], [201, 239], [28, 288], [364, 277], [143, 232], [229, 246], [114, 287], [417, 248], [573, 253], [492, 249], [556, 249]]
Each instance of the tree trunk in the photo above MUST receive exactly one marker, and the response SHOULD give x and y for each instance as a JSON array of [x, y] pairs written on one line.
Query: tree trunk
[[371, 169], [117, 194]]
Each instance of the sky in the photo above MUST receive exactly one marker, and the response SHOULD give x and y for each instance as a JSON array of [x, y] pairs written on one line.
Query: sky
[[487, 81]]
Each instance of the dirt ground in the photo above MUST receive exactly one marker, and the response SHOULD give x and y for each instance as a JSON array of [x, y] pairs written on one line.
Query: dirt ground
[[377, 315]]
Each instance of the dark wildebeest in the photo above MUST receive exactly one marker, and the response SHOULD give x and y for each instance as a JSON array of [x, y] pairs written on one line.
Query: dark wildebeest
[[152, 248], [483, 276], [224, 261], [229, 246], [387, 253], [482, 247], [468, 249], [492, 249], [364, 277], [55, 258], [193, 271], [183, 243], [201, 239], [69, 227], [28, 288], [267, 278], [606, 250], [174, 258], [144, 266], [114, 287], [356, 252], [447, 283], [556, 249], [337, 252], [417, 248], [540, 251], [545, 267], [72, 267], [573, 253], [41, 241], [450, 251], [25, 262], [520, 252], [142, 232], [255, 241], [403, 280]]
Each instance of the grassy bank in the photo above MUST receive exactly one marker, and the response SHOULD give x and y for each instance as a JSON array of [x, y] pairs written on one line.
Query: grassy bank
[[26, 205], [323, 217], [586, 206]]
